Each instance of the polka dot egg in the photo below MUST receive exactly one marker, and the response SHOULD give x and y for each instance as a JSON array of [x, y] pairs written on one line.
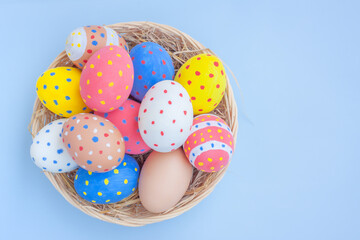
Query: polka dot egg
[[203, 77], [152, 64], [107, 79], [109, 187], [125, 119], [48, 151], [165, 116], [210, 144], [58, 90], [83, 42], [94, 142]]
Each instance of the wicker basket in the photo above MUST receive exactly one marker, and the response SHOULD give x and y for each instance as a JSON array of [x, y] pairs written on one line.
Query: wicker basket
[[130, 212]]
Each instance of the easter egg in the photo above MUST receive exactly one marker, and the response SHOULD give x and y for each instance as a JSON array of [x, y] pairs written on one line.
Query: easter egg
[[210, 144], [152, 64], [165, 116], [48, 151], [83, 42], [125, 118], [58, 90], [107, 79], [94, 142], [203, 77], [109, 187], [164, 179]]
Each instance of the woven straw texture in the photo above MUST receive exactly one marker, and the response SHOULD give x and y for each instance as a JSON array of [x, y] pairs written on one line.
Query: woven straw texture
[[130, 212]]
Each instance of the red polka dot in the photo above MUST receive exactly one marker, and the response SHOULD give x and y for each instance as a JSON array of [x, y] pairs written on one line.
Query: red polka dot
[[139, 77], [222, 72], [200, 110], [189, 82], [181, 130], [118, 142], [172, 144], [202, 87], [146, 87], [197, 73], [169, 102], [132, 58], [153, 122], [161, 111], [106, 170], [84, 118], [89, 51], [142, 61], [165, 91], [160, 49], [106, 134], [145, 110], [155, 145], [81, 148], [137, 93], [172, 83], [144, 46], [211, 75], [181, 95], [185, 112], [164, 76], [209, 100], [193, 98], [145, 131], [174, 121], [187, 67], [215, 104], [150, 52], [216, 64], [100, 152], [162, 133], [179, 75], [85, 61], [163, 62], [153, 72], [92, 37], [198, 58], [217, 86], [151, 99]]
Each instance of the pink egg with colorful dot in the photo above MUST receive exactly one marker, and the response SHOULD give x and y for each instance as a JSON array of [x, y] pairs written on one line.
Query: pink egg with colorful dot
[[210, 144], [125, 118], [107, 79]]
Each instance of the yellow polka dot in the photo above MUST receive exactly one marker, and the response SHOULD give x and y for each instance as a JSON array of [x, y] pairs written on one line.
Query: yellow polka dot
[[132, 76], [185, 150], [221, 166], [69, 54], [106, 181], [221, 158], [116, 171], [98, 56], [195, 142], [112, 35], [79, 45], [76, 177], [217, 119], [228, 135], [194, 135], [111, 108], [221, 137], [189, 148], [111, 84], [202, 139], [88, 96], [118, 97], [135, 169], [100, 91], [133, 189], [95, 109], [212, 168], [89, 172], [107, 200], [219, 131], [200, 163], [127, 87], [124, 164], [203, 119], [126, 181], [111, 48], [120, 73], [118, 193], [208, 116], [99, 74], [209, 130], [79, 33], [118, 55], [88, 81], [211, 136], [201, 134], [93, 201], [187, 142], [91, 65], [230, 143], [85, 67], [73, 33], [110, 62], [86, 182], [100, 193], [128, 66], [210, 159], [110, 45], [102, 102], [72, 44], [85, 193]]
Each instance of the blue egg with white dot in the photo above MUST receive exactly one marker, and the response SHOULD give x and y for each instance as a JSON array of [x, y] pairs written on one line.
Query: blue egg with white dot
[[109, 187], [48, 151]]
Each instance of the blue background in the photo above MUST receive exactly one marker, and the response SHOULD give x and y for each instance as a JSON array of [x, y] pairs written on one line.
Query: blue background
[[295, 174]]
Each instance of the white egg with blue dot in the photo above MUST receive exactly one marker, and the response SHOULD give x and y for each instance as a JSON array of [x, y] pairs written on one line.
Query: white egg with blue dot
[[48, 151]]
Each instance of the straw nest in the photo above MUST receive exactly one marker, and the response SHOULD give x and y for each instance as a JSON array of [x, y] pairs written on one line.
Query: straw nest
[[130, 212]]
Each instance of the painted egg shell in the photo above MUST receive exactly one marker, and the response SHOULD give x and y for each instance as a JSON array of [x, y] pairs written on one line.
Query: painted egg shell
[[58, 89], [109, 187], [107, 79], [94, 142], [152, 64], [125, 119], [164, 179], [203, 77], [210, 144], [165, 116], [48, 150], [83, 42]]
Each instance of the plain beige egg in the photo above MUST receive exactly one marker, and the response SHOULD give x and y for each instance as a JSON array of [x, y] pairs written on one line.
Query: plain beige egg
[[164, 180]]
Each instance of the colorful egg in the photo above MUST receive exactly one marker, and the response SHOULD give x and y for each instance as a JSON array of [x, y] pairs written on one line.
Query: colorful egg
[[58, 89], [83, 42], [152, 64], [210, 144], [165, 116], [94, 142], [203, 77], [125, 119], [109, 187], [164, 179], [107, 79], [48, 151]]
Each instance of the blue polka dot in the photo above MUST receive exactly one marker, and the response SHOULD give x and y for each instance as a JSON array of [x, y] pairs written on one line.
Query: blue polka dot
[[89, 162], [132, 106], [60, 151], [47, 130], [33, 159], [94, 43], [102, 124], [56, 103], [60, 170], [50, 123], [94, 31], [67, 97], [44, 168], [80, 64], [37, 89], [72, 128], [59, 123], [68, 164], [85, 126], [208, 123], [212, 145], [119, 159], [137, 142], [124, 121], [193, 154], [42, 75], [60, 135], [126, 48], [137, 130], [73, 117], [196, 126], [121, 108], [129, 150], [230, 152], [48, 144], [44, 86], [61, 114], [55, 161], [102, 35], [68, 69], [68, 79], [201, 148], [84, 109], [56, 87], [106, 115], [44, 158], [219, 124], [69, 111], [52, 74], [95, 139], [69, 146], [44, 101], [126, 139], [37, 142], [223, 145], [142, 150], [137, 118]]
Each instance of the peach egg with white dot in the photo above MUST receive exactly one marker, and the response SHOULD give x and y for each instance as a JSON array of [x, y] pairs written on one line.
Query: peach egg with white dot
[[58, 90], [83, 42], [165, 116], [210, 144], [110, 187], [125, 119], [203, 76], [107, 79], [94, 142]]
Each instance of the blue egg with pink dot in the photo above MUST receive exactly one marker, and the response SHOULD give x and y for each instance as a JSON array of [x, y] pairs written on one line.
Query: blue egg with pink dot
[[152, 64]]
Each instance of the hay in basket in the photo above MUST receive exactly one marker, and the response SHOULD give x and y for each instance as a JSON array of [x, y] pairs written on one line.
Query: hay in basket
[[129, 212]]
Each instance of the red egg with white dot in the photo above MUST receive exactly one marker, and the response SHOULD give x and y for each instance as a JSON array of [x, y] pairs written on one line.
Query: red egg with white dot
[[107, 79], [125, 118], [210, 144], [165, 116]]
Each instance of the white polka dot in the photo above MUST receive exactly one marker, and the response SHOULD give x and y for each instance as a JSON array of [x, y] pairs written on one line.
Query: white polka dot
[[110, 157], [113, 167], [66, 133], [76, 154], [119, 150], [79, 137], [83, 166], [91, 152], [99, 166], [95, 118], [95, 130], [77, 121], [108, 144], [110, 130]]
